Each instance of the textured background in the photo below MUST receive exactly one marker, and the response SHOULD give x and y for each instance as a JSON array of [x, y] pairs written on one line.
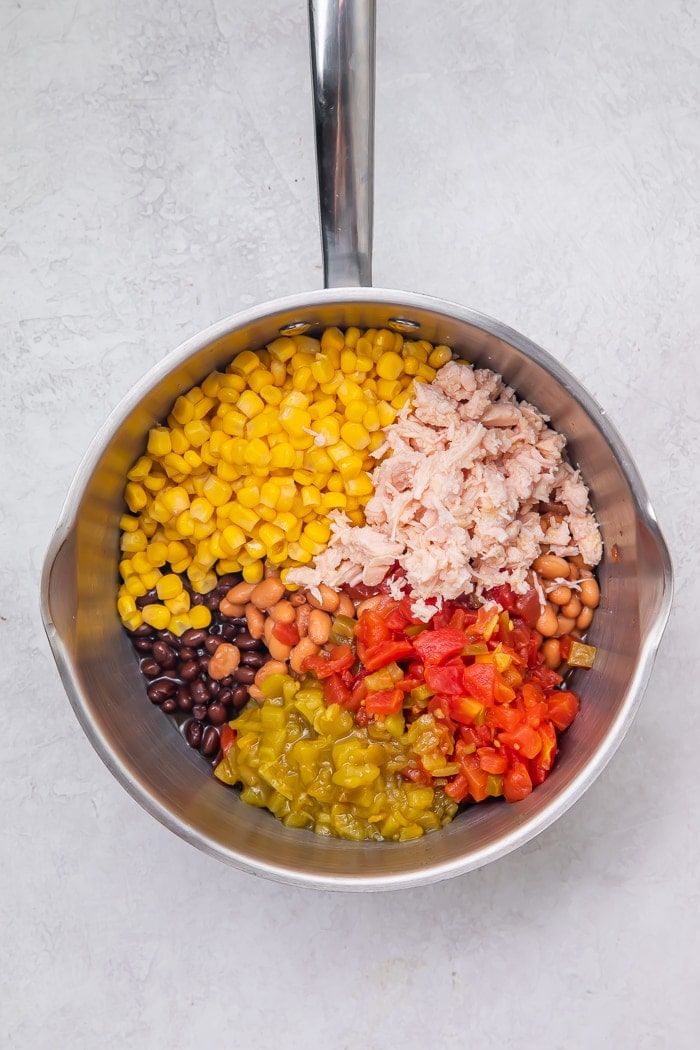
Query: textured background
[[536, 161]]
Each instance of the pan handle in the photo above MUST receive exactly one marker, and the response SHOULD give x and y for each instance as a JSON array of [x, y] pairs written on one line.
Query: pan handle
[[342, 36]]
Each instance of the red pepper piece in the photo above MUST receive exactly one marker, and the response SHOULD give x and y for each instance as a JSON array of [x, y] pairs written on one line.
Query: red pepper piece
[[340, 658], [434, 647], [517, 783], [563, 708], [480, 682], [525, 740], [286, 633], [335, 691], [227, 737], [492, 760], [386, 652], [386, 702], [448, 679]]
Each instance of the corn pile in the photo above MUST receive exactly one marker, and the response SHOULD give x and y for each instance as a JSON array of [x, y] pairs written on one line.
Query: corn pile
[[249, 463]]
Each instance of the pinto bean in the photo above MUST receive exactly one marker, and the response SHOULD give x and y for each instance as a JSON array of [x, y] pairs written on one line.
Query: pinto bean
[[590, 593], [299, 653], [328, 600], [303, 613], [282, 612], [320, 625], [551, 651], [267, 593], [547, 623], [240, 594], [346, 606], [584, 618], [224, 661], [231, 609], [571, 609], [256, 620], [560, 595], [564, 625], [551, 567], [271, 667], [278, 650]]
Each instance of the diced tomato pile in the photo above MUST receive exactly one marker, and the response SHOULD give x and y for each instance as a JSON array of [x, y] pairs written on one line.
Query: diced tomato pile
[[470, 685]]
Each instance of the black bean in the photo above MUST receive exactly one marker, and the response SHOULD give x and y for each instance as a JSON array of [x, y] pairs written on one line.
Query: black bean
[[164, 654], [244, 641], [160, 691], [169, 705], [147, 599], [193, 733], [189, 670], [184, 700], [186, 653], [225, 696], [229, 631], [143, 645], [214, 687], [228, 581], [210, 741], [216, 713], [169, 672], [254, 659], [212, 643], [144, 631], [244, 675], [212, 601], [150, 667], [240, 696], [194, 638], [199, 711], [170, 639], [196, 599], [199, 692]]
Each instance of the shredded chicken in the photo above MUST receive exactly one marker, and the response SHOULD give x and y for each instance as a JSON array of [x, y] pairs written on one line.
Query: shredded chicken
[[457, 496]]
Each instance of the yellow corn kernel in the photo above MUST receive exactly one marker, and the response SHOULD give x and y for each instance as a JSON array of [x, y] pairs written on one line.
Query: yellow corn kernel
[[355, 411], [350, 468], [376, 440], [234, 422], [150, 527], [257, 453], [249, 494], [401, 399], [357, 517], [387, 389], [279, 372], [335, 483], [299, 554], [303, 379], [253, 573], [281, 349], [202, 529], [176, 551], [309, 545], [359, 486], [126, 605], [425, 374], [411, 366], [250, 404], [156, 554], [384, 339], [245, 517], [232, 539], [296, 421], [179, 604], [168, 586], [183, 411], [286, 521], [178, 441], [126, 567], [200, 616], [278, 553], [270, 534], [259, 378], [140, 469], [371, 420], [179, 624], [322, 369], [355, 435], [217, 491], [127, 523], [244, 363], [271, 395], [333, 500], [159, 443], [327, 431], [439, 356], [310, 496], [317, 460], [322, 408], [387, 414], [150, 579], [318, 530], [131, 542], [306, 344], [269, 493], [133, 621], [263, 425], [197, 432], [255, 549], [156, 616], [282, 456], [348, 361], [332, 339], [211, 385], [349, 391]]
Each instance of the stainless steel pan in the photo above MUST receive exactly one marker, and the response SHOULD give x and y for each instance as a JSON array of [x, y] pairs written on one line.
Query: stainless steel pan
[[94, 656]]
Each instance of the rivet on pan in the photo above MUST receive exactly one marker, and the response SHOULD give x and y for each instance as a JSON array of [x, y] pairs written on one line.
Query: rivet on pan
[[400, 324], [295, 328]]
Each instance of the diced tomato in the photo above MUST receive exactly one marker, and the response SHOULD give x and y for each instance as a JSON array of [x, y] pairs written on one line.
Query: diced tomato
[[503, 716], [458, 788], [563, 708], [286, 633], [466, 710], [517, 783], [527, 606], [386, 652], [473, 737], [339, 659], [227, 738], [476, 777], [480, 682], [545, 677], [492, 760], [435, 647], [387, 702], [503, 594], [371, 629], [336, 691], [448, 679], [543, 762], [417, 775], [525, 740]]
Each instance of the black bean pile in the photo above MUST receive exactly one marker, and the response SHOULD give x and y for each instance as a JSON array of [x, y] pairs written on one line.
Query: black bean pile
[[176, 668]]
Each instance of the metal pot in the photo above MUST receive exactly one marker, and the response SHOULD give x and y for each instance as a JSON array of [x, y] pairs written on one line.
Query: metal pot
[[94, 655]]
